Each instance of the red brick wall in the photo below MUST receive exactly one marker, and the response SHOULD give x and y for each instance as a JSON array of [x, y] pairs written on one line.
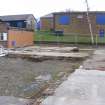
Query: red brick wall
[[46, 24], [22, 38], [78, 26], [3, 27]]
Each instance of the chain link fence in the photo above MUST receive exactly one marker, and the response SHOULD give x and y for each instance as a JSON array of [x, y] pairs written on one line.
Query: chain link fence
[[69, 38]]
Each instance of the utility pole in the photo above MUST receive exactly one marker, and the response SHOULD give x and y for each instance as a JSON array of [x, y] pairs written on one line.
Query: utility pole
[[89, 22]]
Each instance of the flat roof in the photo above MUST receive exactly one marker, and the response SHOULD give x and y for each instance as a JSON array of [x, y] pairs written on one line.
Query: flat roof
[[81, 12]]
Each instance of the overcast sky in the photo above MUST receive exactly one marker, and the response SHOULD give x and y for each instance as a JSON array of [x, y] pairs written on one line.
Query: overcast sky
[[43, 7]]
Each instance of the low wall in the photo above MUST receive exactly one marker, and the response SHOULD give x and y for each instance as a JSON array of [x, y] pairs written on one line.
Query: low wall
[[3, 43], [20, 38]]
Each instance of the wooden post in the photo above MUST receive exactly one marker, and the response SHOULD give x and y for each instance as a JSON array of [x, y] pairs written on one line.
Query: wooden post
[[89, 22]]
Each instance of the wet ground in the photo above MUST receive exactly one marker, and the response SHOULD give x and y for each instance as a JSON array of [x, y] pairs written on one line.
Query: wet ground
[[85, 86], [17, 76]]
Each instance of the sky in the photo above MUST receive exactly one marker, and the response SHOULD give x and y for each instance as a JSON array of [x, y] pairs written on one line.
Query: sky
[[42, 7]]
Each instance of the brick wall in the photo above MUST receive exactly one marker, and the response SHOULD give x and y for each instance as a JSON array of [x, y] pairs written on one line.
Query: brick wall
[[78, 25], [3, 27], [19, 38], [46, 24]]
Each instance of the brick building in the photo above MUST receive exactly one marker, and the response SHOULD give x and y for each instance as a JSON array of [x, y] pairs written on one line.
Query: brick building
[[26, 21], [76, 22], [15, 37], [46, 22]]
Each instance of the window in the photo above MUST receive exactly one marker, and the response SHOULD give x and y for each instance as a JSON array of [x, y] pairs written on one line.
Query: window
[[3, 36], [8, 23], [64, 20], [80, 17], [19, 24], [101, 32], [100, 19]]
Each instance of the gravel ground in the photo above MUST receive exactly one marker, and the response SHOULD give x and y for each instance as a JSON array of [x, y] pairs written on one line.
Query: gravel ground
[[97, 61], [17, 75]]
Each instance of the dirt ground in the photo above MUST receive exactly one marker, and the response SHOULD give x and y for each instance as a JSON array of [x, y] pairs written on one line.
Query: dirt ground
[[17, 76]]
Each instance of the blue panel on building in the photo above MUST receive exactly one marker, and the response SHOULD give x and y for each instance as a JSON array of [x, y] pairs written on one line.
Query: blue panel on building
[[13, 43], [100, 19], [64, 20], [39, 25], [101, 33]]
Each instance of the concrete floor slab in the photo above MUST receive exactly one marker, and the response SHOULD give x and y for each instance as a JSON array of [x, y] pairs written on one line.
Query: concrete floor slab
[[65, 52]]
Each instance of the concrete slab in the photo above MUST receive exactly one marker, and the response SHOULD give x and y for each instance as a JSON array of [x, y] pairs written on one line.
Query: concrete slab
[[50, 49], [83, 87], [65, 52], [8, 100], [50, 54], [97, 61]]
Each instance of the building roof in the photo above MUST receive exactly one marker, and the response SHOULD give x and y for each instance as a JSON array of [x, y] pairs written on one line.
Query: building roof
[[48, 16], [15, 17], [76, 12]]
